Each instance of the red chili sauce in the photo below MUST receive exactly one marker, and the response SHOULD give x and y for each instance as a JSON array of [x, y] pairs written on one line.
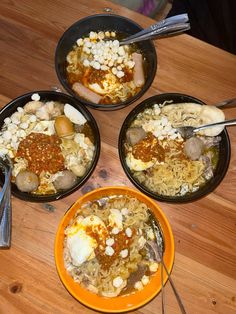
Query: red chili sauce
[[42, 152]]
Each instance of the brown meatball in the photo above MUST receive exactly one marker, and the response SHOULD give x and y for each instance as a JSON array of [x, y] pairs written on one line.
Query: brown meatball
[[27, 181], [193, 148], [134, 135], [65, 181]]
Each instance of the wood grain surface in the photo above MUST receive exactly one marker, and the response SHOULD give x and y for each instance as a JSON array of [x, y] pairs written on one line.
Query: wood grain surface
[[204, 231]]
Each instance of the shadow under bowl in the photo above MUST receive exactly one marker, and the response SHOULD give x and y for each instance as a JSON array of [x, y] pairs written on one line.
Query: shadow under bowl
[[96, 23], [20, 101], [224, 151]]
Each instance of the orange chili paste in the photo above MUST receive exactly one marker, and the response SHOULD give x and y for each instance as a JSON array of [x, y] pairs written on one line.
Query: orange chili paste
[[42, 152], [148, 148], [121, 242]]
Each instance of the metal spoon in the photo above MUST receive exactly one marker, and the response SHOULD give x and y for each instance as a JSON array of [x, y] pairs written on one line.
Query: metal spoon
[[5, 206], [169, 26], [164, 31]]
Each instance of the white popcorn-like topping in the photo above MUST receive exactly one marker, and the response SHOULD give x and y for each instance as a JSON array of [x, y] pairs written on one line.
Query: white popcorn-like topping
[[24, 125], [141, 241], [115, 230], [117, 282], [138, 285], [145, 280], [35, 97], [109, 251], [105, 54], [153, 267], [161, 128], [20, 109], [124, 211], [115, 218], [128, 232], [124, 253], [150, 234], [7, 120], [80, 42], [110, 241]]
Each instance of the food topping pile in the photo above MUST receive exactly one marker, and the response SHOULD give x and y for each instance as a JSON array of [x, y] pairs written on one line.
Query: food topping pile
[[105, 54], [42, 152], [102, 71]]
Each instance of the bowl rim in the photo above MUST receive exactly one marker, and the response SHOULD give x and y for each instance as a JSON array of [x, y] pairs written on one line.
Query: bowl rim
[[170, 199], [127, 302], [106, 107], [59, 195]]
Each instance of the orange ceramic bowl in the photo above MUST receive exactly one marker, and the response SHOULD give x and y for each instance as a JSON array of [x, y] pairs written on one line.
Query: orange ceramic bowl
[[122, 303]]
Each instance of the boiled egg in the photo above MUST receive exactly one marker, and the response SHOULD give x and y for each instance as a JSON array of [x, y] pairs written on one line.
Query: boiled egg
[[97, 89], [74, 115], [80, 243], [63, 126], [137, 164]]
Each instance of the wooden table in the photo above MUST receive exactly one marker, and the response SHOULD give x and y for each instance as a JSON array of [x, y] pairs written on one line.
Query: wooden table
[[204, 231]]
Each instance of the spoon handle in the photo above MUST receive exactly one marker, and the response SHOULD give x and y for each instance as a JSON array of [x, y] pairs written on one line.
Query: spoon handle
[[163, 265], [226, 123], [177, 19], [160, 32], [6, 213], [226, 103], [181, 306]]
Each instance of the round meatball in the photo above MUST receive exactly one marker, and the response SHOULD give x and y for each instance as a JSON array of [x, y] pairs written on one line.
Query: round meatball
[[65, 180], [193, 148], [27, 181], [134, 135]]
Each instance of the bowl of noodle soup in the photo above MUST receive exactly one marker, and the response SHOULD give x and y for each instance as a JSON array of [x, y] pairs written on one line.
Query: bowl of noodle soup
[[120, 274], [95, 69], [51, 156], [154, 155]]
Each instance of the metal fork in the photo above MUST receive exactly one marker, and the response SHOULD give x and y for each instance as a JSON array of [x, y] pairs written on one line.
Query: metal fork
[[189, 131], [5, 205]]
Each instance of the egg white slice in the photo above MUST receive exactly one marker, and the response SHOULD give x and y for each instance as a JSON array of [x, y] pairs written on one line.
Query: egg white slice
[[74, 115], [97, 89], [81, 247], [80, 244], [137, 164]]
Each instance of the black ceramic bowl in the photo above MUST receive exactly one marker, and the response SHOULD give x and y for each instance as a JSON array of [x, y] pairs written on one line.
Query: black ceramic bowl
[[10, 108], [103, 22], [222, 165]]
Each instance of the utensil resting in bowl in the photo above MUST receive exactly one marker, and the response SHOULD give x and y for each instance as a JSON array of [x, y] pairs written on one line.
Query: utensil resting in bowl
[[189, 131], [171, 26], [5, 205]]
